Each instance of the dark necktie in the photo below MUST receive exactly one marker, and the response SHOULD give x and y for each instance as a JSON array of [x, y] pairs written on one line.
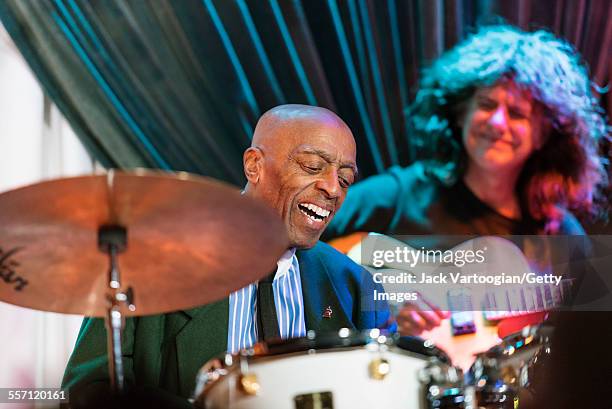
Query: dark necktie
[[267, 322]]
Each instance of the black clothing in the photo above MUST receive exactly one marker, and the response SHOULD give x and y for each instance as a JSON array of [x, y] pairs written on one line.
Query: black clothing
[[409, 201]]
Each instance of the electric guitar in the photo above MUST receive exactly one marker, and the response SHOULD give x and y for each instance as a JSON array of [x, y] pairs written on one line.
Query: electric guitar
[[481, 315]]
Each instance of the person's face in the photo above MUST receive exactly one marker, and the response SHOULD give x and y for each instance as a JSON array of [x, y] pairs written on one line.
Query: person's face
[[305, 177], [501, 129]]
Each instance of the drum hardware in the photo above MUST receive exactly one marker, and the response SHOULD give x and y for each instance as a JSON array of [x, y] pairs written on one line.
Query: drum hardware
[[500, 375], [317, 400], [443, 386], [510, 376], [212, 371], [207, 377], [533, 372], [249, 384], [494, 387], [344, 332], [424, 347], [535, 367], [379, 368], [112, 239]]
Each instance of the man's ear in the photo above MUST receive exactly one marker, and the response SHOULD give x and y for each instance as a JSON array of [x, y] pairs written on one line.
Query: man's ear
[[252, 161]]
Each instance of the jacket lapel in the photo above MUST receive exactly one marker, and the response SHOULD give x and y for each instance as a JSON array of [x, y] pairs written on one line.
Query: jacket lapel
[[202, 337], [320, 295]]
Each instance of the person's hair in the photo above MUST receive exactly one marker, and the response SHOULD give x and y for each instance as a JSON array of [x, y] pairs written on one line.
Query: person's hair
[[567, 172]]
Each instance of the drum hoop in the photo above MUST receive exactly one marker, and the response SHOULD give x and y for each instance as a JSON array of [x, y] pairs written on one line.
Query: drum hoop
[[263, 357], [539, 335]]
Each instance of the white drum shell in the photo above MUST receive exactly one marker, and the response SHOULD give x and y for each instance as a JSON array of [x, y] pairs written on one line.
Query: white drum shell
[[343, 372]]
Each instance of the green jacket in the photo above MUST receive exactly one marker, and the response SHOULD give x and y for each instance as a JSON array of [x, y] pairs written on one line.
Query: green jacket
[[166, 351]]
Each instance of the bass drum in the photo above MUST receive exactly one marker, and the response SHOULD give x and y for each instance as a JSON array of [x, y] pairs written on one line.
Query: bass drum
[[343, 370]]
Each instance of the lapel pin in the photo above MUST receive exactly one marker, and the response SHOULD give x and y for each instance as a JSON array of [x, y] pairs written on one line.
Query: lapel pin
[[328, 312]]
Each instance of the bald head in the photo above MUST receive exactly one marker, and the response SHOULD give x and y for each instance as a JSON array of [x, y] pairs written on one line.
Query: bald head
[[287, 121], [301, 162]]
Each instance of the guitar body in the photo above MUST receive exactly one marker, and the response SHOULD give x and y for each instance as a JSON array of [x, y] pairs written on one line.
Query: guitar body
[[462, 348]]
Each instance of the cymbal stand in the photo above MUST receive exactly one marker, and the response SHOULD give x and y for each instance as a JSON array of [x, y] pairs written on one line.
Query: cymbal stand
[[112, 239]]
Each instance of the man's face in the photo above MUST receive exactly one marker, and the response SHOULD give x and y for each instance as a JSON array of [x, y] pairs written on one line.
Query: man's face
[[501, 128], [305, 177]]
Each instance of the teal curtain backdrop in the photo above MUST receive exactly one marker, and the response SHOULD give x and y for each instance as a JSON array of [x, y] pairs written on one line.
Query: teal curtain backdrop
[[179, 84]]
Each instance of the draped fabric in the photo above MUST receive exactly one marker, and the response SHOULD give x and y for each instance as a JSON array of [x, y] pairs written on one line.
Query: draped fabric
[[179, 84]]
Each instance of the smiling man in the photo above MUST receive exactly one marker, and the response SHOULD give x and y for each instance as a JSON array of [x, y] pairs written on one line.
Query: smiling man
[[301, 163]]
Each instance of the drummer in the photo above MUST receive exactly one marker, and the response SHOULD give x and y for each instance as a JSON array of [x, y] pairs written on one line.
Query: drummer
[[301, 162]]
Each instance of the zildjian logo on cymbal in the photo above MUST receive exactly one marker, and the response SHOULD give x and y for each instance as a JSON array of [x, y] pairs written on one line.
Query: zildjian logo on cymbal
[[7, 269]]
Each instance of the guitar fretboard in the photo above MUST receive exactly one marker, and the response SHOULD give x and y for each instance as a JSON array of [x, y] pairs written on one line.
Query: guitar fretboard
[[503, 304]]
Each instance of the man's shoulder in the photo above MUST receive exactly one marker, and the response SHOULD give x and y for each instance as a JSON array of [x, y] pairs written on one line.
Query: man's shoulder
[[322, 249], [332, 258]]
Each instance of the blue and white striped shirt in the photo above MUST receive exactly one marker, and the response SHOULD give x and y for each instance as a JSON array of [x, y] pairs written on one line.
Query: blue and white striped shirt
[[288, 299]]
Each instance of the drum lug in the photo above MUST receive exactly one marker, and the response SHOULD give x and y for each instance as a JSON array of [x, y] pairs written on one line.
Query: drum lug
[[249, 384], [319, 400], [379, 368]]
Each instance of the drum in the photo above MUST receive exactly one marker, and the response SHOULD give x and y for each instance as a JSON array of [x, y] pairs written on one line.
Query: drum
[[343, 370], [499, 376]]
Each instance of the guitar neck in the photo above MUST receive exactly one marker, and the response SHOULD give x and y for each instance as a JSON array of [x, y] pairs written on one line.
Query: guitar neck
[[502, 304]]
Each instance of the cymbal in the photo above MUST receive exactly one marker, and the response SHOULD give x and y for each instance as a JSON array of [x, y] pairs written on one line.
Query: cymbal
[[190, 241]]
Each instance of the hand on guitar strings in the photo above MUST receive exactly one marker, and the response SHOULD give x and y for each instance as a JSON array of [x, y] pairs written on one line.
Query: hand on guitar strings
[[415, 317]]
